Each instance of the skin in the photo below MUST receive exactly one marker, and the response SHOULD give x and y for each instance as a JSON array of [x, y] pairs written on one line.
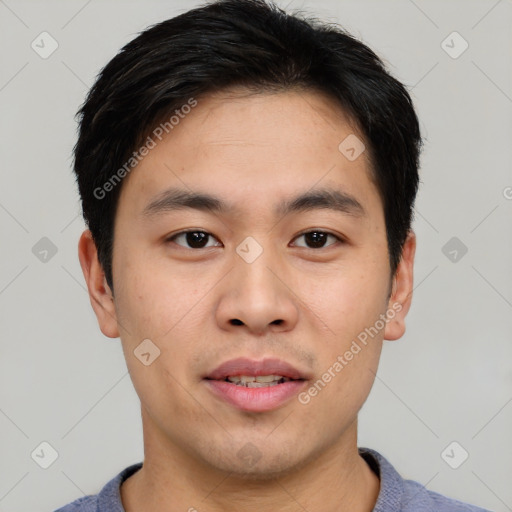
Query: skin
[[252, 150]]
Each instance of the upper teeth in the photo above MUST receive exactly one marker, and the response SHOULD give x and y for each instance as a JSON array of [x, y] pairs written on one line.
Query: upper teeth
[[257, 381]]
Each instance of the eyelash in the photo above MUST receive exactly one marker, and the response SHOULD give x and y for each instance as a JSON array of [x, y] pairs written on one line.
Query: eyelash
[[328, 233]]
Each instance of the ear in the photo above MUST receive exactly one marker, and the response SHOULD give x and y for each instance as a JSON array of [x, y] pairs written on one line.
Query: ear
[[102, 299], [401, 293]]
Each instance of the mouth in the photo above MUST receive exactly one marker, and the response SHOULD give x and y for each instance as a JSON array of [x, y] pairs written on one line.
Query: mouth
[[256, 386], [261, 381]]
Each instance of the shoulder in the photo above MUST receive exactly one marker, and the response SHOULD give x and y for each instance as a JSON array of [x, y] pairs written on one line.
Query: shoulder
[[400, 495], [418, 499], [107, 500]]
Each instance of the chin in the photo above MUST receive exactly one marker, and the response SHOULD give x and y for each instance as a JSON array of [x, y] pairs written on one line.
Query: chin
[[261, 472], [251, 464]]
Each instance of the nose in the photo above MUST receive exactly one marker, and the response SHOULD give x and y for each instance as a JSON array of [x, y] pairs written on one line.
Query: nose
[[256, 297]]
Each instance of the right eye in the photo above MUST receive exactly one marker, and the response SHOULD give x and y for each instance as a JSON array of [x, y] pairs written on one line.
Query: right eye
[[195, 238]]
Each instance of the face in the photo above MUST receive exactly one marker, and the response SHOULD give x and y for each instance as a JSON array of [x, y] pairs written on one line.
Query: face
[[265, 282]]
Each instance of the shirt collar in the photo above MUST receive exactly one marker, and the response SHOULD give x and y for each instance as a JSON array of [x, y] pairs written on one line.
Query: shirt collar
[[389, 499], [391, 483]]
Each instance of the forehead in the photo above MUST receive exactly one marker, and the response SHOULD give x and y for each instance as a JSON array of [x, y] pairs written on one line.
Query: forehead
[[252, 146]]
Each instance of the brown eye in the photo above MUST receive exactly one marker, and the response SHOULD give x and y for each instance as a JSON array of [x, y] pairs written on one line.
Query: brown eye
[[317, 239], [193, 239]]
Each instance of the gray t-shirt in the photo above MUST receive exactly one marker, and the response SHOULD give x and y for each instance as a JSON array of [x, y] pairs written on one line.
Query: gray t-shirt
[[396, 494]]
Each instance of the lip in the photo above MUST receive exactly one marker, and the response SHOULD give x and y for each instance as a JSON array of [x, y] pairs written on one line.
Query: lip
[[256, 399], [245, 366]]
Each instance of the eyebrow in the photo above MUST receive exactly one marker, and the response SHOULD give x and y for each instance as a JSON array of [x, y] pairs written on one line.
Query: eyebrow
[[325, 198]]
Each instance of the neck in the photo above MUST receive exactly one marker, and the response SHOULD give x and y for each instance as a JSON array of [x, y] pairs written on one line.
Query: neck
[[337, 479]]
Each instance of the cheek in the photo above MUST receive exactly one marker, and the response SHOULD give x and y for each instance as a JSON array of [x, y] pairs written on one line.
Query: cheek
[[164, 396], [349, 347], [167, 308], [152, 299], [342, 389], [347, 306], [346, 301]]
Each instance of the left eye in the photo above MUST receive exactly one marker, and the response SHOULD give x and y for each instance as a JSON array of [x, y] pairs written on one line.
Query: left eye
[[317, 239], [195, 239]]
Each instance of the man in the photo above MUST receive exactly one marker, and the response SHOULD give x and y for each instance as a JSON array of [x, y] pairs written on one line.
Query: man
[[248, 179]]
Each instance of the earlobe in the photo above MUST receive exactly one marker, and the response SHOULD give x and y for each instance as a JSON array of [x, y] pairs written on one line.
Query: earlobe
[[401, 294], [100, 295]]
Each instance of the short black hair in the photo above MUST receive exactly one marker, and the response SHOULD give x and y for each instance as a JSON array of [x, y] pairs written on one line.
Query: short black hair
[[256, 45]]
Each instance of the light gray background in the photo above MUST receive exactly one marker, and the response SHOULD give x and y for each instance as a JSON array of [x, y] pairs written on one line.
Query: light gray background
[[448, 379]]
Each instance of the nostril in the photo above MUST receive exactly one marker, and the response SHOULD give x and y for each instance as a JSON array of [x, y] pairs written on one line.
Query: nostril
[[235, 321], [277, 322]]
